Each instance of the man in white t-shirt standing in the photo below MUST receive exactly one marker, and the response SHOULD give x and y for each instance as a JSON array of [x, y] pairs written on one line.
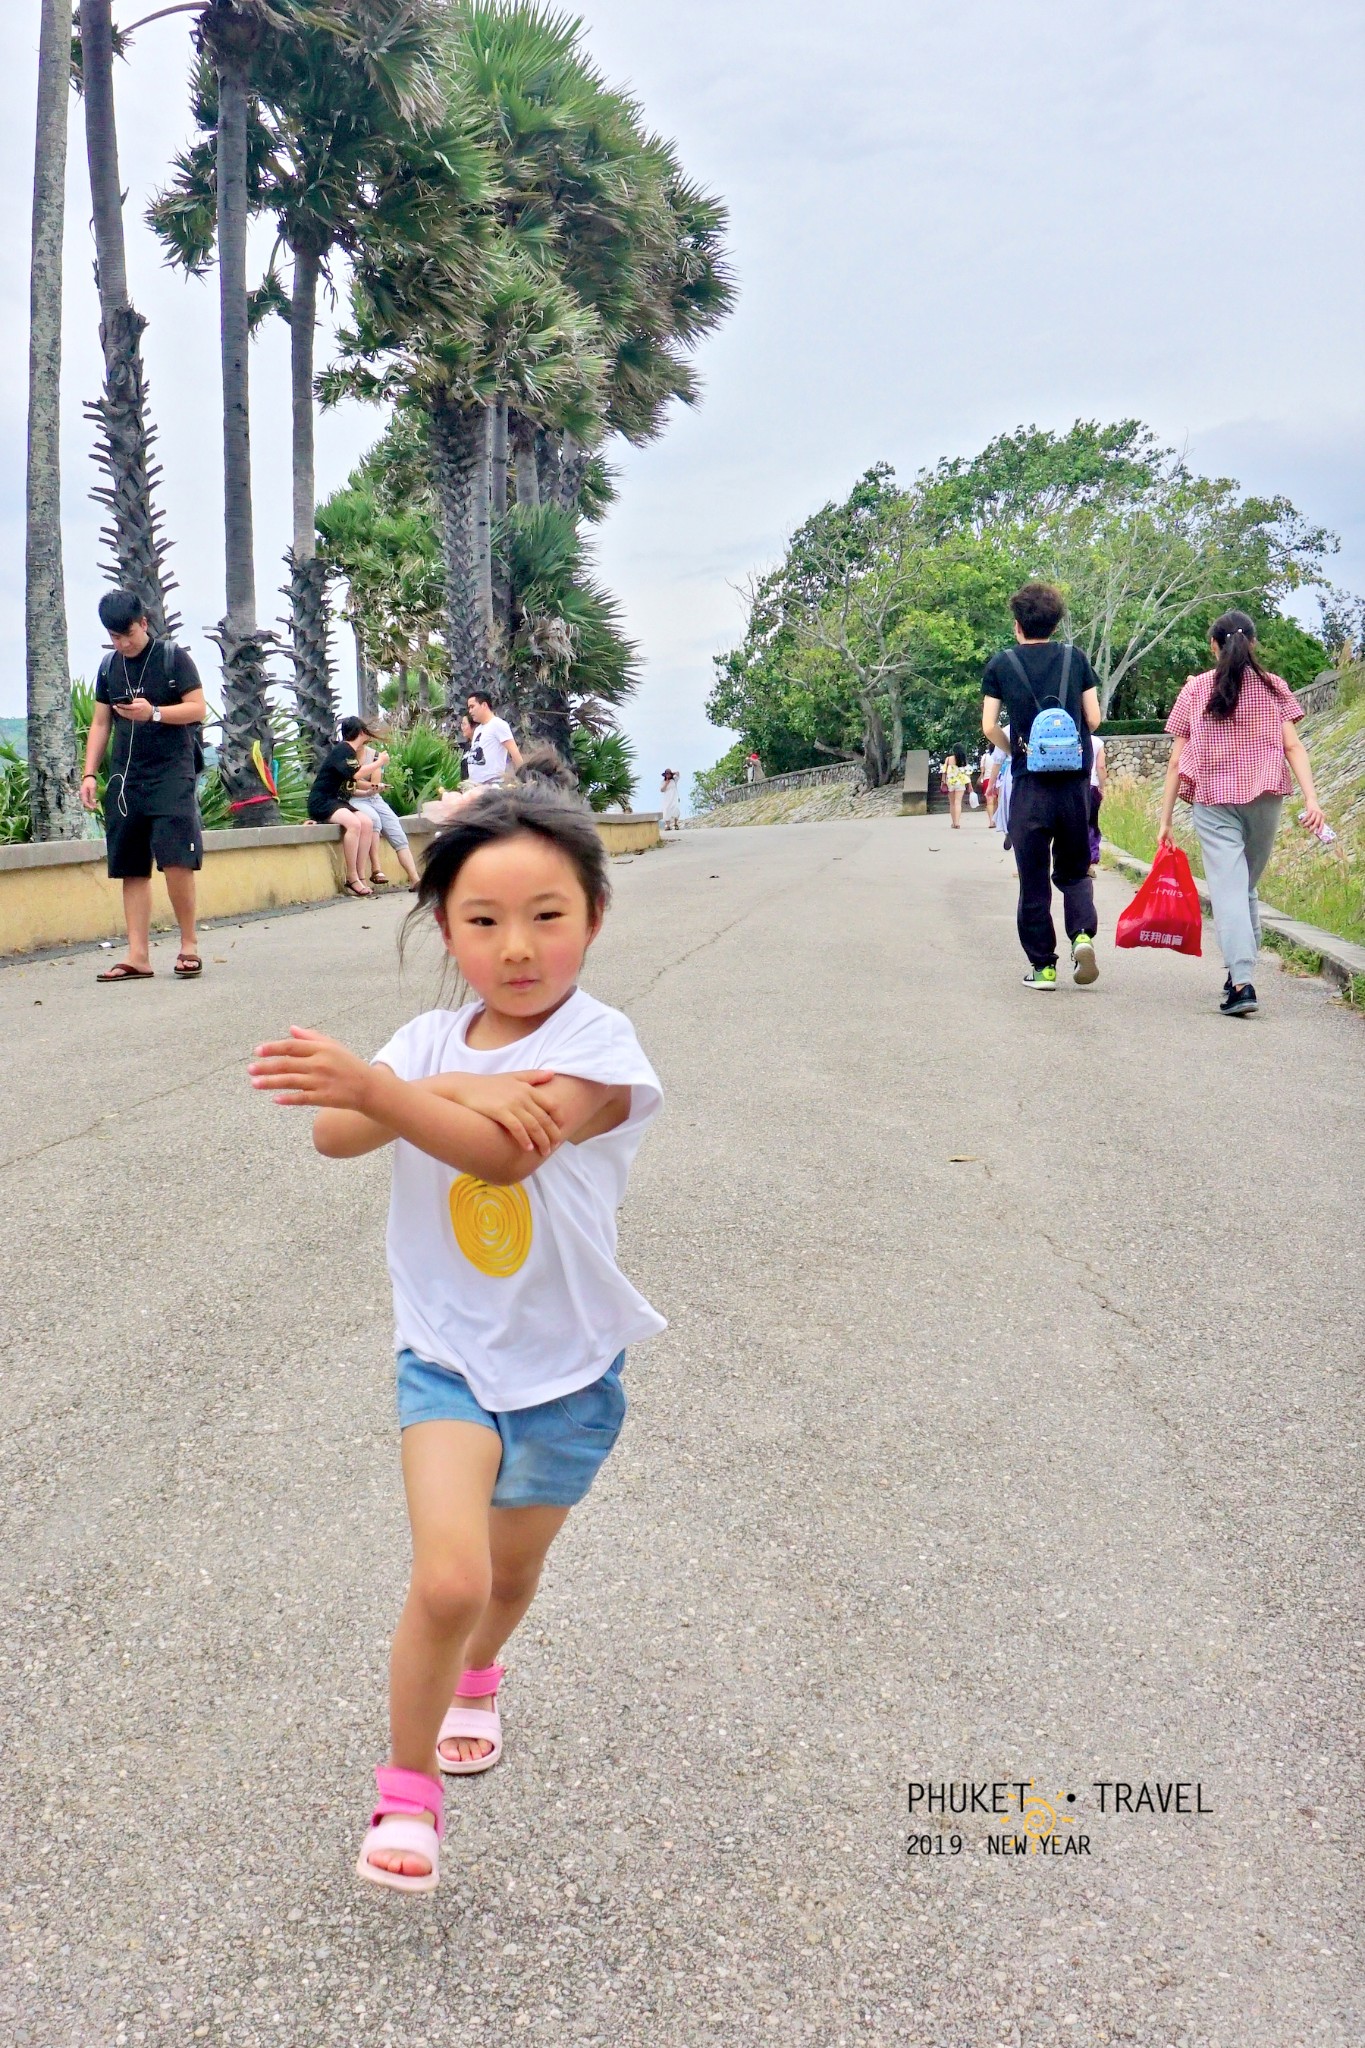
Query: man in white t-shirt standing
[[492, 746]]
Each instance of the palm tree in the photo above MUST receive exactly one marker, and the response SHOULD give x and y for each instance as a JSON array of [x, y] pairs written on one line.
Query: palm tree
[[120, 415], [524, 335], [229, 33], [335, 156], [53, 800]]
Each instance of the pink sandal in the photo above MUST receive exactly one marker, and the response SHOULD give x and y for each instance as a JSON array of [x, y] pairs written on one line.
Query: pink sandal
[[396, 1824], [479, 1724]]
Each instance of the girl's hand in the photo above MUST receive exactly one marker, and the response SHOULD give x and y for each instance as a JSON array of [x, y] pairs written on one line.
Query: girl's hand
[[1312, 819], [1163, 835], [513, 1101], [311, 1072]]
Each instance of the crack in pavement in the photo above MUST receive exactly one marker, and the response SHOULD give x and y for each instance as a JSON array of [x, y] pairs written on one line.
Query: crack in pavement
[[159, 1095]]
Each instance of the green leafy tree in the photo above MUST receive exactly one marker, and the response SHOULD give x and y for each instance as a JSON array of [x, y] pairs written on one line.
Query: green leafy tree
[[1146, 550], [874, 628]]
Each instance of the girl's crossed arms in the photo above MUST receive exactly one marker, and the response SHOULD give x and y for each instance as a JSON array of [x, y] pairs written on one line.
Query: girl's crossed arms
[[500, 1127]]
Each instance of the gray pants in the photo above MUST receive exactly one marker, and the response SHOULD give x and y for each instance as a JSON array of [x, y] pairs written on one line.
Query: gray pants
[[1236, 839], [384, 817]]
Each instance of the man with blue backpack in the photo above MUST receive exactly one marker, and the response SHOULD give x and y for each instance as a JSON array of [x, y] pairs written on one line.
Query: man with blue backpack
[[1050, 697]]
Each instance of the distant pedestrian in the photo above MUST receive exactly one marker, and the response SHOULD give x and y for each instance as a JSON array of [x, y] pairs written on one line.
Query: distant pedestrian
[[492, 747], [1099, 775], [753, 769], [1233, 746], [329, 803], [957, 778], [992, 762], [1054, 686], [670, 817], [467, 731], [148, 695], [512, 1314]]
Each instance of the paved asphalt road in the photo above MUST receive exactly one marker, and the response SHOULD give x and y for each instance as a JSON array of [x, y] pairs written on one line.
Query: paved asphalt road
[[1006, 1430]]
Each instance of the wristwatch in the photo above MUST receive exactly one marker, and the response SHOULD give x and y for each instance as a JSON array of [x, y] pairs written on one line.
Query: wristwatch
[[156, 714]]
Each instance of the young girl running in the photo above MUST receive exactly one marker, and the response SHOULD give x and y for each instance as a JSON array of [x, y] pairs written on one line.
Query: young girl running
[[514, 1121]]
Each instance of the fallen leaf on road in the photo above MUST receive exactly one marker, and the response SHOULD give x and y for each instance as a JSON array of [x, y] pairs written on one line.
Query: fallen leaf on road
[[962, 1159]]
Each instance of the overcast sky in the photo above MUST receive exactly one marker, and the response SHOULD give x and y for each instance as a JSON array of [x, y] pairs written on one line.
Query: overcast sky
[[946, 222]]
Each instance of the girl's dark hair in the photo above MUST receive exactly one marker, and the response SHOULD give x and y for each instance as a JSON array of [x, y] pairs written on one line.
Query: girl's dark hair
[[546, 766], [960, 756], [1234, 634], [503, 813]]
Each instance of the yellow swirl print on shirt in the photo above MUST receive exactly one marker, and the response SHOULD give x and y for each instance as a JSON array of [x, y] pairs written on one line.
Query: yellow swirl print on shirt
[[492, 1225]]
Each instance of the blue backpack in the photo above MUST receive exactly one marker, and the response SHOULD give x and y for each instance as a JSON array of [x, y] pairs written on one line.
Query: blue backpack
[[1054, 742]]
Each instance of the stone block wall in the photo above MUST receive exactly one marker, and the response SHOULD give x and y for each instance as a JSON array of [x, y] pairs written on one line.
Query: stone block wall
[[1139, 754]]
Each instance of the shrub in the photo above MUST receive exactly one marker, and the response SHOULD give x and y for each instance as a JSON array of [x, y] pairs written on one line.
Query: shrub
[[14, 817], [422, 762], [606, 768]]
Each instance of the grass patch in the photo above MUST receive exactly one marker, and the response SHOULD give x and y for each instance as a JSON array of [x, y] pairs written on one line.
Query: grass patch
[[1295, 958]]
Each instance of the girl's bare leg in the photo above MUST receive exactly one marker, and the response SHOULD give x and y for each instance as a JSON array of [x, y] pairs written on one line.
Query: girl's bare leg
[[519, 1539], [448, 1473]]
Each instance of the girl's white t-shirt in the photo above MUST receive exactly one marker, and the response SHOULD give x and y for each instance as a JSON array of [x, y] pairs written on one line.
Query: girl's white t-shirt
[[518, 1287]]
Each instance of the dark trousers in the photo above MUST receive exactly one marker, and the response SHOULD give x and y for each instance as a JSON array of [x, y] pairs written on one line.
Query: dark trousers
[[1050, 834]]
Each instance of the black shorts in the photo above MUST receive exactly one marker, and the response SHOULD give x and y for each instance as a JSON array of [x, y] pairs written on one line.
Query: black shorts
[[133, 842]]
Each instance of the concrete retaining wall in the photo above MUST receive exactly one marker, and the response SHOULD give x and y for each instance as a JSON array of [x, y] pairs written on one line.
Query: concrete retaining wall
[[59, 894]]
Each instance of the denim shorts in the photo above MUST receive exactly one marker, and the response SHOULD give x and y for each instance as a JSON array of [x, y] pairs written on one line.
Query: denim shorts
[[550, 1453]]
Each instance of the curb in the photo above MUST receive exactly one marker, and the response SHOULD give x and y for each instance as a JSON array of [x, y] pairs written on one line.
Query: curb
[[1342, 960]]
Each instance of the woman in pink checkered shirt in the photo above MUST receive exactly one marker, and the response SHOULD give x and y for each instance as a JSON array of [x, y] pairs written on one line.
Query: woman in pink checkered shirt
[[1233, 745]]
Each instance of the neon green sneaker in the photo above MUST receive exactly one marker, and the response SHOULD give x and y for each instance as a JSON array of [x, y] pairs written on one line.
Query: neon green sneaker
[[1041, 977], [1084, 965]]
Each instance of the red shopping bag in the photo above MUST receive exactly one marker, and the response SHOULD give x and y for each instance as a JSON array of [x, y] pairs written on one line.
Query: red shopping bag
[[1166, 910]]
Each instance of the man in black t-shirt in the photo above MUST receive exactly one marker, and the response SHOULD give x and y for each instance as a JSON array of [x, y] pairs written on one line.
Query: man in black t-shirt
[[1049, 821], [149, 697]]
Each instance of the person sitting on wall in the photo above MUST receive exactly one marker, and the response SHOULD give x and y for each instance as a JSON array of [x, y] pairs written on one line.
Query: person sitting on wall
[[329, 803], [148, 695], [368, 796]]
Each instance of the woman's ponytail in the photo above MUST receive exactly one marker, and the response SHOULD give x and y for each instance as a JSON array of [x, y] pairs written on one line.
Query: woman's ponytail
[[1234, 635]]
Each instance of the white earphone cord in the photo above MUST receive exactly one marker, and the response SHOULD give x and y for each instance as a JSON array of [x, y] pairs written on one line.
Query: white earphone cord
[[131, 691]]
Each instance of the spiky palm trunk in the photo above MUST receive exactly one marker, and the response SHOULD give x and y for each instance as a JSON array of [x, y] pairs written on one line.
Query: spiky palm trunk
[[571, 467], [483, 527], [307, 585], [458, 442], [124, 438], [54, 804], [246, 721], [549, 716], [314, 698], [522, 434]]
